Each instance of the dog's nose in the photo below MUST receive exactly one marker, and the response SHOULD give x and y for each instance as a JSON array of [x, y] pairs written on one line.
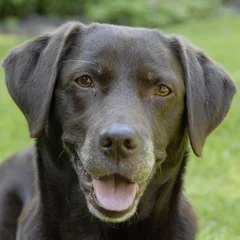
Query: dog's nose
[[119, 140]]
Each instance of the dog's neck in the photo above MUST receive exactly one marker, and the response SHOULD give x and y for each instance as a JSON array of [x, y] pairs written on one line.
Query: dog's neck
[[62, 211]]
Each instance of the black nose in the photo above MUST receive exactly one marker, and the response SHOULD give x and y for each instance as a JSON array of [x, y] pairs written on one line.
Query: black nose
[[119, 140]]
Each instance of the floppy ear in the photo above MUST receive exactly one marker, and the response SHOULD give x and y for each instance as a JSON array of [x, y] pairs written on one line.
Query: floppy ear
[[31, 70], [209, 92]]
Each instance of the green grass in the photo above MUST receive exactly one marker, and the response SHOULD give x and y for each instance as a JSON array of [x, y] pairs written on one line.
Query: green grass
[[213, 182], [13, 127]]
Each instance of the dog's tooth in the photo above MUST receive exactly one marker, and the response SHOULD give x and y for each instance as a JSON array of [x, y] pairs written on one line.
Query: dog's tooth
[[92, 195], [91, 185]]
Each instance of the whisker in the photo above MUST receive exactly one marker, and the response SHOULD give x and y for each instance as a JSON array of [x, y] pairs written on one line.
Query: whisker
[[60, 155]]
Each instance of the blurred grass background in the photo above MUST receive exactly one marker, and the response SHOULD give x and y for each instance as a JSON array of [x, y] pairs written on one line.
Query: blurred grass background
[[213, 182], [152, 13]]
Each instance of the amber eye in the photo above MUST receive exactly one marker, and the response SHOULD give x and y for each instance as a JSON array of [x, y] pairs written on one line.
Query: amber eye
[[162, 90], [84, 81]]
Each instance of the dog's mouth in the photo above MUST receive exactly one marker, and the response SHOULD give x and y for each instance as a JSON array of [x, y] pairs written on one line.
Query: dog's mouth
[[114, 193], [111, 198]]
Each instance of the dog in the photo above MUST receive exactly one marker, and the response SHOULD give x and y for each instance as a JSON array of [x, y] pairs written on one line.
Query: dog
[[113, 110]]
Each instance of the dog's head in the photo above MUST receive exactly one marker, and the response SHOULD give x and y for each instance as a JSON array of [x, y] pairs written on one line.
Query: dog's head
[[126, 100]]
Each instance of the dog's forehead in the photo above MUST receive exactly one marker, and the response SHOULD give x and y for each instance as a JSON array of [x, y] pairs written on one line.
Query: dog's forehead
[[110, 42], [112, 34]]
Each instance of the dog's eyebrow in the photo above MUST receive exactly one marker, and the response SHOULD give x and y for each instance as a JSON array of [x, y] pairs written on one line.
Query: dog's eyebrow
[[85, 61]]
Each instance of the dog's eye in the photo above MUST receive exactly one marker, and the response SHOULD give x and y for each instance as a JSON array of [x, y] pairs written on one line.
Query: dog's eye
[[162, 90], [84, 81]]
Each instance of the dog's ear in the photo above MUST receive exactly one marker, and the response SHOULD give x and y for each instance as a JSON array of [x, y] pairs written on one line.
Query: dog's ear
[[31, 70], [209, 91]]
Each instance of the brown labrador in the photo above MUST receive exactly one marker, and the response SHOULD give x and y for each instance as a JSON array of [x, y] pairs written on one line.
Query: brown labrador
[[112, 109]]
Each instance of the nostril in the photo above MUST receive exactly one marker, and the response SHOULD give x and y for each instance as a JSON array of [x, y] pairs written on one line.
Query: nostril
[[129, 144], [106, 142]]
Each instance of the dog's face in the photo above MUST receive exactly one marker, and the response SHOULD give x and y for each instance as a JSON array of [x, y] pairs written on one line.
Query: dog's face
[[120, 100], [123, 97]]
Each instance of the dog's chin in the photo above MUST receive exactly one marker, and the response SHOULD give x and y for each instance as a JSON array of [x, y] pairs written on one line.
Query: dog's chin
[[110, 198]]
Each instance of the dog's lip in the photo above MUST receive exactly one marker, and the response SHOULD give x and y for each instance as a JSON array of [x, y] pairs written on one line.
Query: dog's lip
[[86, 180]]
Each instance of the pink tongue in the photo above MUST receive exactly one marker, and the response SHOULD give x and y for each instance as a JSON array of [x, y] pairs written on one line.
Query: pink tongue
[[114, 193]]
